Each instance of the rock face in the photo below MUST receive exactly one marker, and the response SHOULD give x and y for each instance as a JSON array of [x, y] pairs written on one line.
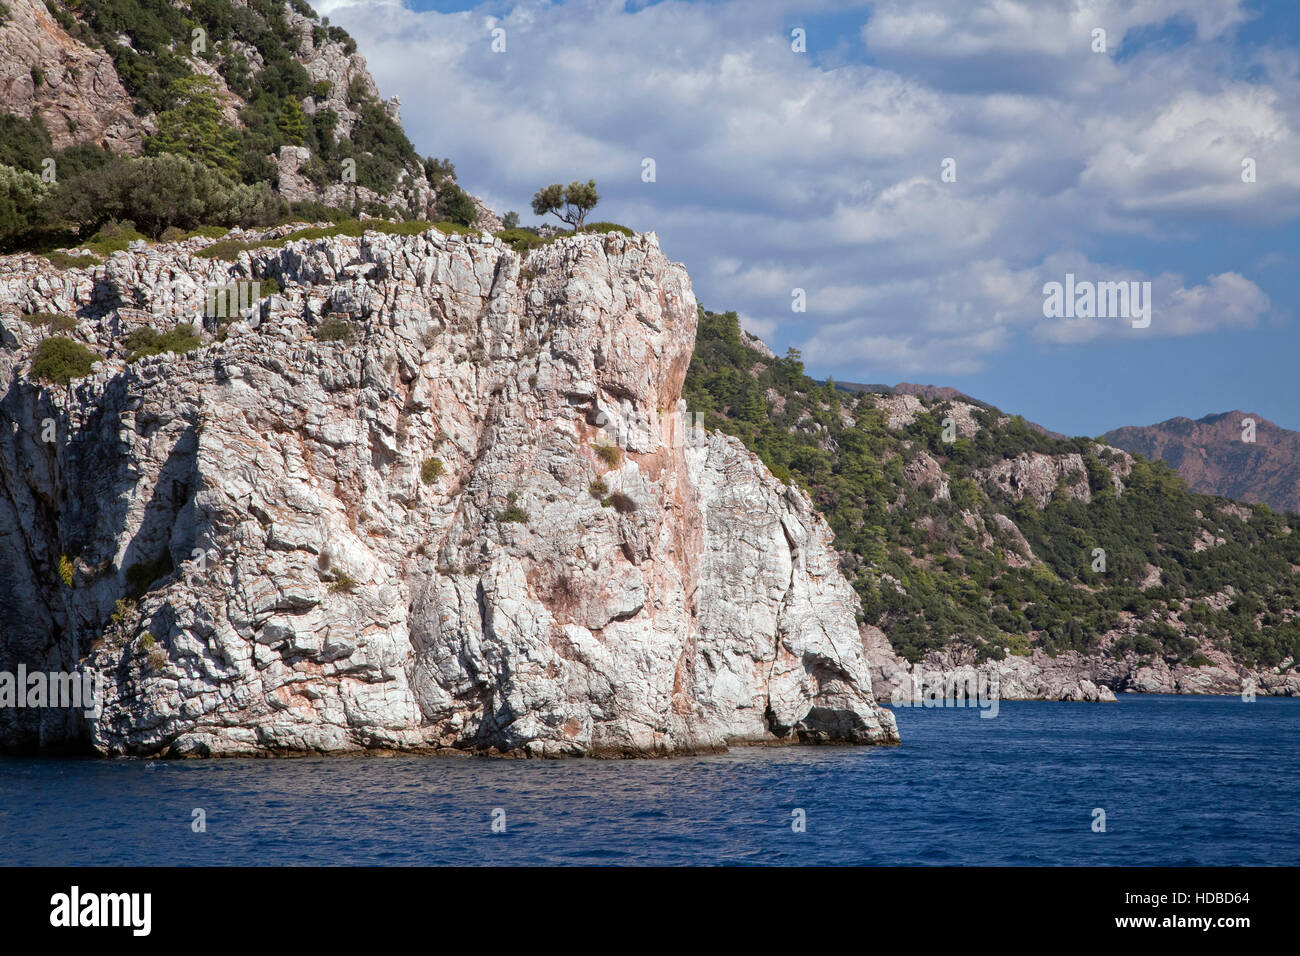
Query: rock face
[[1074, 676], [1037, 476], [480, 525], [74, 89], [1213, 457]]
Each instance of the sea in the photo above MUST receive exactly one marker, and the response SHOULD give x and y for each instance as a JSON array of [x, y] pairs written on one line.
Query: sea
[[1149, 780]]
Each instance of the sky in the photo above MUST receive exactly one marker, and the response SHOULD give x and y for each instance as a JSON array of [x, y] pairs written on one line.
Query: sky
[[921, 169]]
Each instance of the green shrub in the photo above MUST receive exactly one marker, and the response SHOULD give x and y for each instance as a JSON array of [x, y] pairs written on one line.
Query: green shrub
[[622, 503], [431, 470], [454, 229], [147, 341], [122, 610], [155, 192], [24, 143], [342, 584], [413, 227], [113, 236], [64, 260], [59, 360], [309, 210], [609, 454], [65, 570], [598, 489], [438, 171], [604, 227], [512, 512], [335, 330], [207, 232], [193, 126], [228, 250], [521, 240], [454, 205], [51, 320], [22, 204]]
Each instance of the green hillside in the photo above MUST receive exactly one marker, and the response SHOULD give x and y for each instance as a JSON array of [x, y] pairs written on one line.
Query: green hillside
[[933, 569], [201, 166]]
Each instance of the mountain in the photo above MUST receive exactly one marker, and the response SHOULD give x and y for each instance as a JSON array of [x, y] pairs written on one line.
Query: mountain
[[198, 112], [422, 492], [1222, 455], [974, 540]]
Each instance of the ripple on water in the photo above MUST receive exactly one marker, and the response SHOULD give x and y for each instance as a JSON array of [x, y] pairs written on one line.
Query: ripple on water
[[1183, 781]]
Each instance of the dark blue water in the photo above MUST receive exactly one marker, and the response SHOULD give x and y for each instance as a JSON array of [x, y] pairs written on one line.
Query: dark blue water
[[1182, 781]]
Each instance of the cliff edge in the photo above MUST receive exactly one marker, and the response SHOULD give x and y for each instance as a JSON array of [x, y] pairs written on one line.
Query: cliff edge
[[428, 494]]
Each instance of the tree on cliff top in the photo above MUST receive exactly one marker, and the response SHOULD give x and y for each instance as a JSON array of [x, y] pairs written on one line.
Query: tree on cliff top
[[570, 203]]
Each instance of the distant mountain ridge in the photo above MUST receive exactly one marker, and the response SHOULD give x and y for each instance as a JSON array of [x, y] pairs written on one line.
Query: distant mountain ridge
[[1214, 458], [908, 388], [1209, 453]]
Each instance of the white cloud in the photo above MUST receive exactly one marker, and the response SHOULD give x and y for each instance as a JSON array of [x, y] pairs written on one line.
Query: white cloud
[[777, 171]]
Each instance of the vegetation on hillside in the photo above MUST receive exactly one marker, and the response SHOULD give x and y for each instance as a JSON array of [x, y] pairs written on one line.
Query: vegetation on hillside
[[59, 360], [202, 167], [928, 578]]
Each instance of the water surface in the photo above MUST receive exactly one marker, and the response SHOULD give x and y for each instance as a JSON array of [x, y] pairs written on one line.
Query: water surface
[[1182, 780]]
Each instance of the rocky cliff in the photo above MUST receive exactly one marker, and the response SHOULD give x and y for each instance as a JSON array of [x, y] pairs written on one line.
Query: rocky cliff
[[428, 495], [74, 89]]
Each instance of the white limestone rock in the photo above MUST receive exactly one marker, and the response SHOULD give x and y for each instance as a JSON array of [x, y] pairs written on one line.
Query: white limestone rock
[[310, 584]]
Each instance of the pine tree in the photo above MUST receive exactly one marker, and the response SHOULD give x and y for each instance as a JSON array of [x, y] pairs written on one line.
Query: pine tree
[[292, 122], [194, 126]]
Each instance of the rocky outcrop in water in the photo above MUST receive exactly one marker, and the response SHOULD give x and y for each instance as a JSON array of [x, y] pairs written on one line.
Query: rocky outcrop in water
[[429, 495]]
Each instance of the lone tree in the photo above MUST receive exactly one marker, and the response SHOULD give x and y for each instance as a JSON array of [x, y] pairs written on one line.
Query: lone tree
[[571, 203]]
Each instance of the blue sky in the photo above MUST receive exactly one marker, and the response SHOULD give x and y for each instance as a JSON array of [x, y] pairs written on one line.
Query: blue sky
[[820, 170]]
